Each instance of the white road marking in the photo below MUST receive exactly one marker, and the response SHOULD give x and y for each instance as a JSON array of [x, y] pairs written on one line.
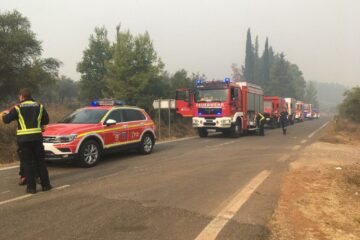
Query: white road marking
[[16, 199], [176, 140], [28, 195], [296, 147], [5, 192], [226, 214], [313, 133], [284, 158], [7, 168], [303, 141], [62, 187]]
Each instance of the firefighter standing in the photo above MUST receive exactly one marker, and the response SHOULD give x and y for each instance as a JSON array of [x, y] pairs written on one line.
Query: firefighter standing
[[260, 122], [30, 116], [284, 119]]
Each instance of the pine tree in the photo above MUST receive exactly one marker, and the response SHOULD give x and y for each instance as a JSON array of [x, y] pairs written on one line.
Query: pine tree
[[266, 64]]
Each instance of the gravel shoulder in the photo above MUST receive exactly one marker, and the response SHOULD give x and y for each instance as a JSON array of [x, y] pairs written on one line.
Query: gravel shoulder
[[320, 194]]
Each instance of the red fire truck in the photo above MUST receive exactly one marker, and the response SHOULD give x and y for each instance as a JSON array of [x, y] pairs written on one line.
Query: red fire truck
[[308, 110], [299, 116], [221, 106], [272, 107]]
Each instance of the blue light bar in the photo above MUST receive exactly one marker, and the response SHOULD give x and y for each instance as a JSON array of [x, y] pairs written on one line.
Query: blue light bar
[[107, 102], [227, 80], [198, 82]]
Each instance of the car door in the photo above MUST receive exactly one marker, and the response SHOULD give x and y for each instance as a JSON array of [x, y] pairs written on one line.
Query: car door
[[117, 134], [135, 121]]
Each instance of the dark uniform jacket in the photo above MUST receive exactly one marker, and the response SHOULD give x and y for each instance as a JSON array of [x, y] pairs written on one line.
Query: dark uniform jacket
[[30, 117]]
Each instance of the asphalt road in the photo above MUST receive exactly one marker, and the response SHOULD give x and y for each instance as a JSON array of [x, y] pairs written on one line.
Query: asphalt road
[[212, 188]]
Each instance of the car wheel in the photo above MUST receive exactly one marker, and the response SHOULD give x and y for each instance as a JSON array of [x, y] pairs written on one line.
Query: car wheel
[[147, 144], [89, 154]]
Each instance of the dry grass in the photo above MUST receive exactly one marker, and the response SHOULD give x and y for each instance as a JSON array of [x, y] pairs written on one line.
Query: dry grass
[[341, 131]]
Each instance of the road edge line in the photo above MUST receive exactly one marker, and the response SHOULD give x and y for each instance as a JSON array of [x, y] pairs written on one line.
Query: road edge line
[[212, 230], [317, 130]]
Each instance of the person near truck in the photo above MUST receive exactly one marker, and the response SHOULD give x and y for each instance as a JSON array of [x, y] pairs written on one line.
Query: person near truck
[[31, 116], [260, 122], [284, 120]]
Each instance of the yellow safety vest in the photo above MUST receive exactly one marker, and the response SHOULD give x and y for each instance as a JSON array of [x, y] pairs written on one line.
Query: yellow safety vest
[[24, 129]]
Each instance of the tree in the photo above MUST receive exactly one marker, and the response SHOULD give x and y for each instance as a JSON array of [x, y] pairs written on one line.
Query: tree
[[67, 88], [266, 64], [20, 57], [311, 93], [93, 65], [280, 79], [134, 67], [249, 59], [350, 107]]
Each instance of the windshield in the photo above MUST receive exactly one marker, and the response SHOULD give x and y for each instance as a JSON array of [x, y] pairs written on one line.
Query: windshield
[[211, 95], [85, 116], [268, 104]]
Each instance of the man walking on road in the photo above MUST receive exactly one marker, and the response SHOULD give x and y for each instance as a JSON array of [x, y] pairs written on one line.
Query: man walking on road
[[284, 119], [31, 117]]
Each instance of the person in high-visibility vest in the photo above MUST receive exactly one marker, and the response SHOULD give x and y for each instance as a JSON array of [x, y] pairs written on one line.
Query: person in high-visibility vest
[[31, 116], [260, 122]]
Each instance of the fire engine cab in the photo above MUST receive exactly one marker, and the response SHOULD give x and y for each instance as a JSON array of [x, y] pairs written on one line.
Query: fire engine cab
[[106, 125], [222, 106], [308, 110], [272, 107]]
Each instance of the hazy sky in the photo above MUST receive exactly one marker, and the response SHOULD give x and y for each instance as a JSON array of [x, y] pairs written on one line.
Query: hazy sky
[[321, 36]]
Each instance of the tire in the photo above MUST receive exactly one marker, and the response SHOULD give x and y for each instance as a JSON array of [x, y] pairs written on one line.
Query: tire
[[89, 154], [147, 144], [202, 132], [235, 130]]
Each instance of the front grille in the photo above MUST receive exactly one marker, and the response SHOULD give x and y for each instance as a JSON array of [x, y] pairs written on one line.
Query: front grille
[[209, 111], [209, 124]]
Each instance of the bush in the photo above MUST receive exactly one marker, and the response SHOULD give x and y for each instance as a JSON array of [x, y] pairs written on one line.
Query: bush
[[350, 107]]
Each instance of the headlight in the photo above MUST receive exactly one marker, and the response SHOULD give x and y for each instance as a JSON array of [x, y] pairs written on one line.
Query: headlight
[[226, 121], [60, 139]]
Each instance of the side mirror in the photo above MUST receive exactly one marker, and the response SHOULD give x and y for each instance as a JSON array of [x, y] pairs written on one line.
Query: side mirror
[[110, 122]]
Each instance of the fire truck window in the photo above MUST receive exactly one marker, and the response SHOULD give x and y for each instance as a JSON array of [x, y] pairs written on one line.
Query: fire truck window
[[133, 115], [115, 115], [183, 95]]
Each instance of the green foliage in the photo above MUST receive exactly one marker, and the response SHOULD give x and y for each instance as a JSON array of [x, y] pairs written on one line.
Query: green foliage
[[350, 107], [272, 71], [249, 59], [92, 66], [134, 67]]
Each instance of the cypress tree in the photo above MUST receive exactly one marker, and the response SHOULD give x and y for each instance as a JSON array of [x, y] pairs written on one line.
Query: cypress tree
[[249, 59]]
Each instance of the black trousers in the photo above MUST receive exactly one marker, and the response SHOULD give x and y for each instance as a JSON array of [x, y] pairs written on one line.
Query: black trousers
[[32, 154]]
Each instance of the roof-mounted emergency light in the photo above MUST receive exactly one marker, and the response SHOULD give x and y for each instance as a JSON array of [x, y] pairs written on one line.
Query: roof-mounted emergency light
[[198, 82], [227, 80], [107, 102]]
